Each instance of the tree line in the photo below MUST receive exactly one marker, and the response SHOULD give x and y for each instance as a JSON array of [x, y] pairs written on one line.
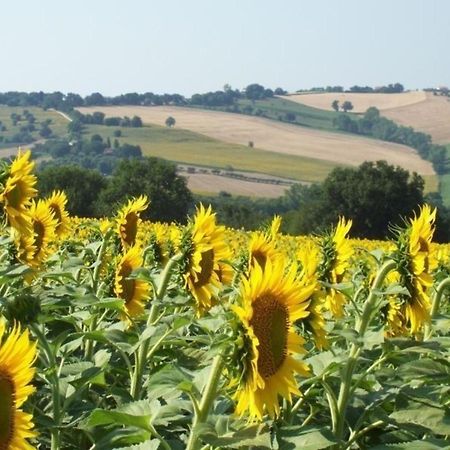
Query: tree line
[[67, 102], [374, 125], [388, 89]]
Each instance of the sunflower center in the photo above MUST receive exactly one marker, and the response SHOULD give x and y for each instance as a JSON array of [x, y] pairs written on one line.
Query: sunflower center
[[7, 406], [207, 267], [270, 322], [130, 228]]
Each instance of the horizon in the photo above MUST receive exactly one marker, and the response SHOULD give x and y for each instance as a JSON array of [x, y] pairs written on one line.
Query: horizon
[[108, 47]]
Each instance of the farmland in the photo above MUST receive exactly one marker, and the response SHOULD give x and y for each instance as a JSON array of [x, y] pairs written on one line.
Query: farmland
[[418, 109], [279, 138], [360, 101]]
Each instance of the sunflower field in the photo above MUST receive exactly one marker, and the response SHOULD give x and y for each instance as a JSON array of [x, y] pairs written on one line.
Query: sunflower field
[[124, 334]]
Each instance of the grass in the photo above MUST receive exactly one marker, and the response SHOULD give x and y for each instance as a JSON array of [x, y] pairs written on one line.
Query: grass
[[58, 124], [187, 147]]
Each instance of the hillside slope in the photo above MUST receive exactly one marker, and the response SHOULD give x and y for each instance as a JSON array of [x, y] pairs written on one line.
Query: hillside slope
[[277, 137]]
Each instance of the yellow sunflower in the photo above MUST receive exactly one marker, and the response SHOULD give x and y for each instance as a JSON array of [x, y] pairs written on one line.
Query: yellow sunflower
[[270, 302], [17, 354], [18, 190], [309, 258], [57, 205], [336, 254], [128, 220], [43, 225], [207, 251], [262, 249], [133, 291], [25, 247], [275, 226], [414, 265]]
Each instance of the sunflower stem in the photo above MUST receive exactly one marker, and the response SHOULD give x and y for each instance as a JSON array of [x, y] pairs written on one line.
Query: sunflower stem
[[208, 397], [89, 349], [442, 286], [54, 380], [141, 354], [355, 349]]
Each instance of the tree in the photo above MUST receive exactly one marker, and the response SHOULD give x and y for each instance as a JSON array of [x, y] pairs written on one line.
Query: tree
[[170, 122], [136, 122], [375, 196], [254, 91], [168, 193], [82, 187], [335, 105], [347, 106]]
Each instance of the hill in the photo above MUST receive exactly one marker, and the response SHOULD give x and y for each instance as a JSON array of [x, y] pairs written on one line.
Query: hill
[[282, 138], [421, 110], [360, 101]]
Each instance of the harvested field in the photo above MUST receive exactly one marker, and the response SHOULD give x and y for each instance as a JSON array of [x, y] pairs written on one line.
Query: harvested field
[[277, 137], [360, 101], [210, 183], [431, 116]]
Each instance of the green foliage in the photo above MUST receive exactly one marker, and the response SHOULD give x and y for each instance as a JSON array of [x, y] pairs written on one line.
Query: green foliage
[[169, 196], [372, 124], [82, 187], [373, 196], [170, 122]]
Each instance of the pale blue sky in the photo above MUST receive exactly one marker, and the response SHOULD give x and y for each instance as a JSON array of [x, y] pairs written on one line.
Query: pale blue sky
[[118, 46]]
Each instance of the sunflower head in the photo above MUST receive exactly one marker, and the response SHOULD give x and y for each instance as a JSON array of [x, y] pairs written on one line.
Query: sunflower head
[[415, 263], [262, 249], [336, 253], [128, 220], [17, 191], [17, 355], [43, 226], [205, 250], [309, 257], [57, 205], [133, 291], [270, 302]]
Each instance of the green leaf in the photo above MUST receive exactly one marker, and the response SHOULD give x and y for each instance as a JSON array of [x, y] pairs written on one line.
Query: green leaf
[[151, 444], [299, 438], [435, 419], [250, 436], [325, 362], [103, 417], [424, 444]]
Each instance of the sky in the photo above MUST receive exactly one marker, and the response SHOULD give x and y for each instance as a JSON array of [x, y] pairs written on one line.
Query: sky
[[189, 46]]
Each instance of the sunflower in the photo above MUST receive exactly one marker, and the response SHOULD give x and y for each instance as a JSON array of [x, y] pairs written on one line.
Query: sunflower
[[25, 247], [336, 253], [270, 302], [18, 190], [262, 249], [415, 263], [133, 291], [128, 220], [206, 251], [57, 205], [275, 226], [309, 258], [43, 228], [17, 354]]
